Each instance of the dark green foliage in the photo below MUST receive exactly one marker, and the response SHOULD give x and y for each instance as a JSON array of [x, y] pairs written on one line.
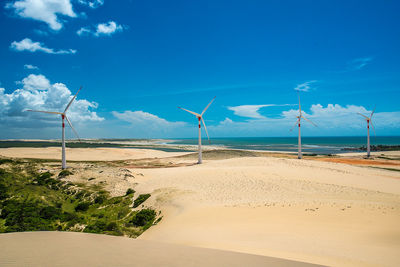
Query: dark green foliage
[[144, 218], [4, 161], [140, 199], [32, 201], [100, 199], [28, 215], [112, 226], [130, 191], [3, 191], [82, 206], [64, 173]]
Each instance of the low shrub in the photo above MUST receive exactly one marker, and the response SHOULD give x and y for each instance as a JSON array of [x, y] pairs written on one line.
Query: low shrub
[[64, 173], [130, 191], [144, 217], [140, 199], [82, 206]]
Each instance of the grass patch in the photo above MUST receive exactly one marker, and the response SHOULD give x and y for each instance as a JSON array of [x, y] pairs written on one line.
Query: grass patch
[[64, 173], [33, 201], [140, 199]]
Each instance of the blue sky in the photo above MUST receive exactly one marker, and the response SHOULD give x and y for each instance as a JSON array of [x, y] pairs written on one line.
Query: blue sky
[[139, 60]]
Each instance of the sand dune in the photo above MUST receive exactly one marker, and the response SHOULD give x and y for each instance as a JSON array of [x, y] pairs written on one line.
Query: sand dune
[[78, 249], [86, 154], [327, 213]]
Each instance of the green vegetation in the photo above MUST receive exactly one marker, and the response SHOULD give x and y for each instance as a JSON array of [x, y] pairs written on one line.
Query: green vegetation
[[140, 199], [144, 218], [64, 173], [130, 191], [33, 201]]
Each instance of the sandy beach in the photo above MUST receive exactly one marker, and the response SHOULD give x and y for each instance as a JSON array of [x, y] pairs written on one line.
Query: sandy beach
[[311, 210]]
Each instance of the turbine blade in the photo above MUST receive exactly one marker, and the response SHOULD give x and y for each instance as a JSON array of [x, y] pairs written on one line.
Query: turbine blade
[[70, 124], [309, 121], [291, 129], [43, 111], [362, 115], [298, 93], [72, 100], [373, 128], [194, 113], [208, 106], [205, 128], [372, 113]]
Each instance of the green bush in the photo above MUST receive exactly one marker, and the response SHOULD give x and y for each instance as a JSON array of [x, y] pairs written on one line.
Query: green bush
[[3, 192], [3, 161], [64, 173], [82, 206], [140, 199], [130, 191], [112, 226], [100, 199], [144, 217]]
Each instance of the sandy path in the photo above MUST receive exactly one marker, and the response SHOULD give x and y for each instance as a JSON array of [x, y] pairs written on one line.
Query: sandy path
[[78, 249], [86, 154], [319, 212]]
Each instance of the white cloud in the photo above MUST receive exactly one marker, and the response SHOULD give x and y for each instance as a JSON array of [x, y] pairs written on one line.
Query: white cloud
[[43, 10], [35, 82], [147, 125], [30, 67], [27, 45], [92, 4], [332, 119], [305, 87], [38, 93], [102, 29], [108, 28], [358, 63], [83, 31], [144, 118], [251, 111]]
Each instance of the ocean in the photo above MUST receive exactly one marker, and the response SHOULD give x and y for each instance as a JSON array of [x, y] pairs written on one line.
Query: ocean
[[318, 145]]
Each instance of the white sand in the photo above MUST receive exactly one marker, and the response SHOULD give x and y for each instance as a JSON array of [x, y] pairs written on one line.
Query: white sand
[[305, 210], [86, 154], [78, 249], [325, 213]]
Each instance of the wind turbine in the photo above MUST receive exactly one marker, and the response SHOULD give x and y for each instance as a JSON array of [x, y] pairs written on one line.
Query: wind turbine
[[298, 122], [200, 118], [63, 116], [369, 120]]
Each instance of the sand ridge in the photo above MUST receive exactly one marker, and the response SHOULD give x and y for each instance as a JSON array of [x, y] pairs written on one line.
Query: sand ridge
[[306, 210]]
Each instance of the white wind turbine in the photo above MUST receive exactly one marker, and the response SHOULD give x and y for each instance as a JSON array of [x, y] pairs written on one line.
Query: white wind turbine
[[298, 122], [369, 120], [63, 116], [200, 118]]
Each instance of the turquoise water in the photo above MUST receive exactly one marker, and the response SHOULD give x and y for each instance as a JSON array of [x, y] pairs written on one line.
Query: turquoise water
[[320, 145]]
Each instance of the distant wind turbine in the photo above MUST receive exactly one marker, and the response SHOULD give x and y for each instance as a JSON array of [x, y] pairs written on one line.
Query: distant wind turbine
[[298, 122], [200, 118], [63, 116], [369, 120]]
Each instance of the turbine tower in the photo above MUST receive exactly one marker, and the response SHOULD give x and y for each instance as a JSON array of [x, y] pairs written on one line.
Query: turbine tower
[[63, 116], [200, 118], [298, 122], [369, 120]]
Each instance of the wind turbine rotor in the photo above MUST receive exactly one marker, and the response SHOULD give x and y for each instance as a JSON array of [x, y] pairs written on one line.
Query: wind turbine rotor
[[194, 113], [72, 100], [212, 100], [205, 128], [73, 129], [309, 121]]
